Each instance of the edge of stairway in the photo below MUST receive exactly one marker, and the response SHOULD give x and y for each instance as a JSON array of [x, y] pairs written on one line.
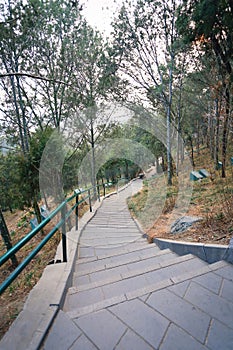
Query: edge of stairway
[[210, 253]]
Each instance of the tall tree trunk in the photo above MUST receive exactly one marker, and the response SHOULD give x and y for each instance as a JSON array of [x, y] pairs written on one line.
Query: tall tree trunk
[[126, 169], [225, 132], [198, 137], [178, 134], [12, 79], [216, 149], [192, 151], [169, 159], [24, 121], [93, 165], [211, 134], [6, 238], [37, 211]]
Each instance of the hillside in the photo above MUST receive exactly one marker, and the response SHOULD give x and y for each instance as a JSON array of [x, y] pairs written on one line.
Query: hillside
[[212, 199]]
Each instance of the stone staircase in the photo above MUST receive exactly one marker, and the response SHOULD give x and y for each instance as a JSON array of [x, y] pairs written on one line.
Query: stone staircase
[[128, 294], [129, 273]]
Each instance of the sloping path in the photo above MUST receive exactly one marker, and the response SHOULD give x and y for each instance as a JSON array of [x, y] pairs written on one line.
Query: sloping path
[[128, 294]]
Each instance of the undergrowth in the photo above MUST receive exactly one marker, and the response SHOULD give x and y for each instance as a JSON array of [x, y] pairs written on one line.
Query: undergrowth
[[212, 199]]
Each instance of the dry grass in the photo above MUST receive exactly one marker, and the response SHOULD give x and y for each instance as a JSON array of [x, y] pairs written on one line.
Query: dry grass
[[12, 300], [212, 199]]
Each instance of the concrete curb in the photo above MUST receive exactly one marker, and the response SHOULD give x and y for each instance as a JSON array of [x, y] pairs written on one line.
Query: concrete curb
[[208, 252]]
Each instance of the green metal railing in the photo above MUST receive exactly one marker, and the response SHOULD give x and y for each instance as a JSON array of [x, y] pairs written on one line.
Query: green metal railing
[[62, 208]]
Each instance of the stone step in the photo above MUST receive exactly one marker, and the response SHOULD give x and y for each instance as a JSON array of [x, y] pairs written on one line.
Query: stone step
[[81, 297], [122, 259], [101, 253], [128, 271], [88, 253], [172, 282], [124, 271]]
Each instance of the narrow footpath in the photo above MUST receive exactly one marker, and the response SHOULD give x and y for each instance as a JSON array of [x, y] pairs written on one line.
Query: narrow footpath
[[127, 294]]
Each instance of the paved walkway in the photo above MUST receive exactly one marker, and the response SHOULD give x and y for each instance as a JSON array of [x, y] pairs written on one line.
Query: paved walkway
[[127, 294]]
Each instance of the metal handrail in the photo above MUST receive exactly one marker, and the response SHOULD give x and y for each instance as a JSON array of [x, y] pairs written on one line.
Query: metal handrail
[[62, 223]]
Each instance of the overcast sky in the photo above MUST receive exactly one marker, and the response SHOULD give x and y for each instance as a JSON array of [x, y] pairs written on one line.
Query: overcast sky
[[100, 13]]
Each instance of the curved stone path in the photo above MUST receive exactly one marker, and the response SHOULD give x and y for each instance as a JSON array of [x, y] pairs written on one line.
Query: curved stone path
[[128, 294]]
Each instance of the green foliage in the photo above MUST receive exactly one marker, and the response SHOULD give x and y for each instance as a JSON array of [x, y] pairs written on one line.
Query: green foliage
[[20, 175]]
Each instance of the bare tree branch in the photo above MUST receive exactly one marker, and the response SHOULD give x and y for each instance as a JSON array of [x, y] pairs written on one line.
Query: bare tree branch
[[30, 75]]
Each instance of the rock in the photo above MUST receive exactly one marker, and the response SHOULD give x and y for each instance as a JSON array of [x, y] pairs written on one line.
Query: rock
[[231, 243], [183, 223]]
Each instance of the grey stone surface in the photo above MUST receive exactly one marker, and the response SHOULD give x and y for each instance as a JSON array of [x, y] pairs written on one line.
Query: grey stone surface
[[63, 334], [86, 252], [180, 288], [147, 323], [210, 303], [162, 302], [151, 251], [150, 262], [190, 274], [75, 313], [148, 289], [103, 328], [226, 272], [227, 290], [183, 223], [210, 281], [103, 275], [178, 339], [174, 270], [219, 337], [83, 343], [207, 252], [124, 286], [79, 280], [103, 253], [84, 298], [181, 312], [214, 252], [182, 248], [144, 297], [130, 340]]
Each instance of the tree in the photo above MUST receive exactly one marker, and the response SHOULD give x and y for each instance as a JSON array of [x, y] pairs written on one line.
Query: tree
[[147, 44], [36, 37], [13, 45], [208, 24], [55, 40], [96, 80]]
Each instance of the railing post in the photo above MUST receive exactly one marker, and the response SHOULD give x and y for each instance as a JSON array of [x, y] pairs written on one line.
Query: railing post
[[64, 245], [76, 212], [89, 195]]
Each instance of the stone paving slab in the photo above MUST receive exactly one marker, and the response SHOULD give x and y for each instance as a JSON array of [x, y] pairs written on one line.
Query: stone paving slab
[[146, 322], [177, 338], [179, 311], [99, 325]]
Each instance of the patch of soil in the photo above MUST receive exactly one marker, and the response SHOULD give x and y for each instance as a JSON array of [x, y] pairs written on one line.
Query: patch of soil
[[13, 298], [215, 228]]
